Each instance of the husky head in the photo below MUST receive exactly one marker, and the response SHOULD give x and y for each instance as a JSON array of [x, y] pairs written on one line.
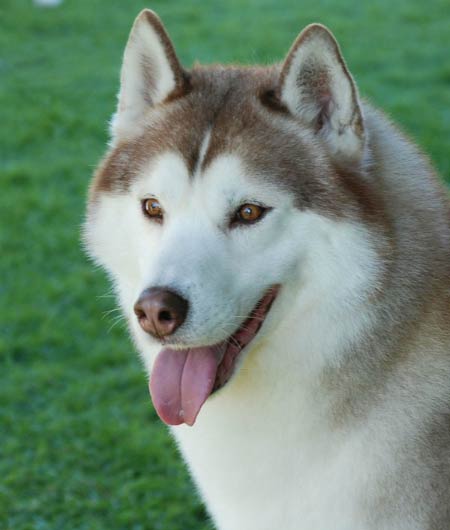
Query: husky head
[[230, 197]]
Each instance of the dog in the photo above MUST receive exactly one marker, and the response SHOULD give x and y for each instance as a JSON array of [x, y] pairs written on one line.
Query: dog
[[281, 252]]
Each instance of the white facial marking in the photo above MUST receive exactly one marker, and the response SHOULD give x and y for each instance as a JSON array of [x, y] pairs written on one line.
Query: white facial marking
[[202, 152], [222, 271]]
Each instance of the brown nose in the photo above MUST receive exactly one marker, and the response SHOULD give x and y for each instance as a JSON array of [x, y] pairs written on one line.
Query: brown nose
[[160, 312]]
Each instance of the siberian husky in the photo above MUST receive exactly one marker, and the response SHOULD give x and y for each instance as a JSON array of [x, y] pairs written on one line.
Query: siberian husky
[[282, 254]]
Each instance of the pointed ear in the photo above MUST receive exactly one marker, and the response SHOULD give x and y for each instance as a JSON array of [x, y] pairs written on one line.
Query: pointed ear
[[317, 87], [151, 73]]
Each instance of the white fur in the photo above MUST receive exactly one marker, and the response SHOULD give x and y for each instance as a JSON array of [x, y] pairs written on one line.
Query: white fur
[[240, 460]]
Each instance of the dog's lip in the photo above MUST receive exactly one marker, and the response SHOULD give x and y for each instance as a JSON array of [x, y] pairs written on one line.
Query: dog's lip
[[242, 337], [271, 294]]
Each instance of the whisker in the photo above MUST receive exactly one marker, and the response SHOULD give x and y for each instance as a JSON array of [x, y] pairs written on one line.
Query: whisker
[[244, 328], [232, 340], [109, 312], [118, 320], [246, 317], [109, 294]]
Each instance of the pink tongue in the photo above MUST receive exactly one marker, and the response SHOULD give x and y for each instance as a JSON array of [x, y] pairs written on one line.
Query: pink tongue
[[182, 380]]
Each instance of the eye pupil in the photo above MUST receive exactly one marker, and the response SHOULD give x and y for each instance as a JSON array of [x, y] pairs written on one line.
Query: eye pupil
[[152, 208], [248, 213]]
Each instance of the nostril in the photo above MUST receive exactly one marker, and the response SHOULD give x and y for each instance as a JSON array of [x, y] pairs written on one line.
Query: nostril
[[165, 316], [140, 313]]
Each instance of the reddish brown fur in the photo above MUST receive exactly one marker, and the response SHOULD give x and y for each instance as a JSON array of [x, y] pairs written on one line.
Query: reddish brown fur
[[240, 107]]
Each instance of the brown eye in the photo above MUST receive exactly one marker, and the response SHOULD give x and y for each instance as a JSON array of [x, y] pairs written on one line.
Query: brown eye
[[248, 213], [153, 209]]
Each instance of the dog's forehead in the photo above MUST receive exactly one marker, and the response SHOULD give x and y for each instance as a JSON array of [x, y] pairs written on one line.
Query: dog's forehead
[[225, 180], [224, 114]]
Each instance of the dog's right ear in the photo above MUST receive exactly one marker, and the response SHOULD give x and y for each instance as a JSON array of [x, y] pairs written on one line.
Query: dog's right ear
[[151, 73]]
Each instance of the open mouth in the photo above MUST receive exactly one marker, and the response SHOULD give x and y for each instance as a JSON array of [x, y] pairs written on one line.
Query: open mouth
[[182, 380]]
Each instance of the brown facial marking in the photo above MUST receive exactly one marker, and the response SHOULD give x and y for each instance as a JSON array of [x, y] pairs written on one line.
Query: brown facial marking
[[227, 102], [270, 99]]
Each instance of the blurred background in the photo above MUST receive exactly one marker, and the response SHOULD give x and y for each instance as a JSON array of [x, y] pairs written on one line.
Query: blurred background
[[80, 444]]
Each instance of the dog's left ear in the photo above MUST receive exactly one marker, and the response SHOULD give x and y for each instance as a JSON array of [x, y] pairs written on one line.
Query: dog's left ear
[[151, 74], [316, 86]]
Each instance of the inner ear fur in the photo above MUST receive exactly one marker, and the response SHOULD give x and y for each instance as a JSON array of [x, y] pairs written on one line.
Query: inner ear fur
[[151, 74], [317, 87]]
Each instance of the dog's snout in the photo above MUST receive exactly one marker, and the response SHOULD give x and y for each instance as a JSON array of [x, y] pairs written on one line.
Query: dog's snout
[[160, 311]]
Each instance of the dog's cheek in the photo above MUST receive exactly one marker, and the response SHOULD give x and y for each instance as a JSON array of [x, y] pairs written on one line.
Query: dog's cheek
[[106, 232], [120, 240], [267, 253]]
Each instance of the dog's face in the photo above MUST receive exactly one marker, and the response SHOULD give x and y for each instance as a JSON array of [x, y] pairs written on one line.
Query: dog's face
[[223, 193]]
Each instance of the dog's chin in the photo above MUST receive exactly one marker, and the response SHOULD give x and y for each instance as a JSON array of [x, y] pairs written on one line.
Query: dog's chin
[[183, 378]]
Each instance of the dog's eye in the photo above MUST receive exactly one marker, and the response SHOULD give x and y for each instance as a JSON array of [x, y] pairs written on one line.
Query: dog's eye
[[248, 213], [153, 209]]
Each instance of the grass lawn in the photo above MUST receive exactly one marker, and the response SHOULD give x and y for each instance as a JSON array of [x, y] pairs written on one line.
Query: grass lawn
[[80, 444]]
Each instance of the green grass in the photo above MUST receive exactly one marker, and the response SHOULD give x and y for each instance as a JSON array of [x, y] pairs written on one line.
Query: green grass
[[80, 445]]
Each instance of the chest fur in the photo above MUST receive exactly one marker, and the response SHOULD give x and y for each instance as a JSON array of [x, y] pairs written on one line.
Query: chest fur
[[279, 468]]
